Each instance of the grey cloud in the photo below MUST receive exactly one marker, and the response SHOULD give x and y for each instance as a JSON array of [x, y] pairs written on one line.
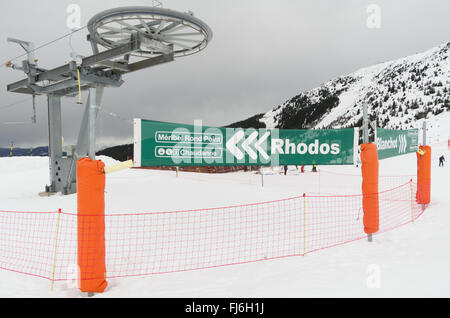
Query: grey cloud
[[263, 52]]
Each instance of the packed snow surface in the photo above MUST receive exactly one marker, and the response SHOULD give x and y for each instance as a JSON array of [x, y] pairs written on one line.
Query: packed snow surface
[[410, 261]]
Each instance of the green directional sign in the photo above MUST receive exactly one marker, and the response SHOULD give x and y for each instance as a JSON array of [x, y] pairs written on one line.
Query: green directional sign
[[168, 144], [391, 143]]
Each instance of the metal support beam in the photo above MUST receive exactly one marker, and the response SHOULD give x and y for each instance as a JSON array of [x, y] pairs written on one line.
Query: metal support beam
[[130, 47], [55, 87], [55, 142], [113, 80], [51, 75], [424, 132], [67, 69], [83, 142], [86, 136], [164, 58], [365, 124], [116, 66], [27, 46], [93, 110], [373, 124]]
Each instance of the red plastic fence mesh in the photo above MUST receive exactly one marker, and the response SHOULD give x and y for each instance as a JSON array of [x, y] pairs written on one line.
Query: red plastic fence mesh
[[27, 242], [325, 181], [154, 243], [352, 182]]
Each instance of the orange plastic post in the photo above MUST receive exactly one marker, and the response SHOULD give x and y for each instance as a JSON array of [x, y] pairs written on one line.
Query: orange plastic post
[[423, 195], [91, 225], [369, 169]]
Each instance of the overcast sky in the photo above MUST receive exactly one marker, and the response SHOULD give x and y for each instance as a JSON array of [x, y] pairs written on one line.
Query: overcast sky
[[262, 53]]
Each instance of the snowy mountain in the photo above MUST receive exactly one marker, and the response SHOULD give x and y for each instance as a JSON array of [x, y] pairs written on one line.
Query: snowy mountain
[[24, 152], [399, 94]]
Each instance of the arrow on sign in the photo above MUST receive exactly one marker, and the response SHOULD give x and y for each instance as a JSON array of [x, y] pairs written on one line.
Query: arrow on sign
[[232, 144], [258, 145], [406, 143], [402, 143], [246, 144], [238, 136]]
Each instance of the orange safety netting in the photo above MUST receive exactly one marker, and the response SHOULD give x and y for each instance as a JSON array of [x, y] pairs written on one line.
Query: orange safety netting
[[163, 242]]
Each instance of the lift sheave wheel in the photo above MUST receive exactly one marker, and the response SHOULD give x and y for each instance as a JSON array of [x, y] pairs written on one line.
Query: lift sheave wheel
[[160, 30]]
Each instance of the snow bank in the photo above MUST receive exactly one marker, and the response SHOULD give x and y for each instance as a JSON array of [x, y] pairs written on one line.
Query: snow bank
[[410, 261]]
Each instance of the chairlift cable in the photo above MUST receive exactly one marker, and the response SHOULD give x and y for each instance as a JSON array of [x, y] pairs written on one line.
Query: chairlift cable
[[14, 104], [43, 45]]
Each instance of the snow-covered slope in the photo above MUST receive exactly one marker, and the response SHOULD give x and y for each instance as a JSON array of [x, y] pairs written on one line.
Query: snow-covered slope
[[410, 261], [400, 94]]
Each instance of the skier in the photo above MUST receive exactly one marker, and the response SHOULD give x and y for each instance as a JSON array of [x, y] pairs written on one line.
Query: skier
[[441, 161], [302, 169], [314, 169], [285, 169]]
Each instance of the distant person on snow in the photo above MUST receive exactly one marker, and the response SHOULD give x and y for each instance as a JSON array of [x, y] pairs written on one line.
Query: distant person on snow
[[302, 169], [314, 169], [285, 169], [441, 161]]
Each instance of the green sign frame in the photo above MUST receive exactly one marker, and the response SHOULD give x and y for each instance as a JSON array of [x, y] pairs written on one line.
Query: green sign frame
[[392, 143], [168, 144]]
